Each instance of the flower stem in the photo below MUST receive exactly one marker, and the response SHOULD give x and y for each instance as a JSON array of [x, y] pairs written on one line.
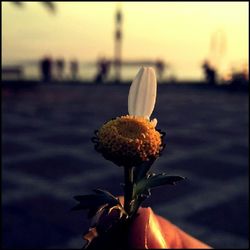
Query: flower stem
[[128, 188]]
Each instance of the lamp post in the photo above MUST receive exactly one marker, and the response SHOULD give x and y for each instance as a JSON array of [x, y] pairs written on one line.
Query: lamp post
[[118, 44]]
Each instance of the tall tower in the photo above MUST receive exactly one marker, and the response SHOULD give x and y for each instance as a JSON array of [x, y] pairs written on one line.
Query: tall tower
[[118, 45], [218, 46]]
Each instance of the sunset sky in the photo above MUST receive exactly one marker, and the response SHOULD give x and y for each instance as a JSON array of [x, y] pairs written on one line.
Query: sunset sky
[[181, 33]]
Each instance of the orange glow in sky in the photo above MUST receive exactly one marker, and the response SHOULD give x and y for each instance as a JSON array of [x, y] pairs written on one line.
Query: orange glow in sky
[[181, 33]]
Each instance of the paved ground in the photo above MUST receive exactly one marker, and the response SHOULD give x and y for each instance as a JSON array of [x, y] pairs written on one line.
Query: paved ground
[[48, 158]]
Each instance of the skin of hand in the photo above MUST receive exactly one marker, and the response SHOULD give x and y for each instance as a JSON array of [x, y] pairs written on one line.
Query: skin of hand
[[149, 230]]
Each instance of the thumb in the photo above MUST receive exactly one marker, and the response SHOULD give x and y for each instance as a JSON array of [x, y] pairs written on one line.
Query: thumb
[[149, 230], [146, 232]]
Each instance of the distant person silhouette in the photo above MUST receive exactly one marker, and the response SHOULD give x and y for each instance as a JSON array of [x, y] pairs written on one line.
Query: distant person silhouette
[[241, 76], [46, 69], [74, 67], [103, 70], [160, 68], [239, 79], [60, 68], [210, 73]]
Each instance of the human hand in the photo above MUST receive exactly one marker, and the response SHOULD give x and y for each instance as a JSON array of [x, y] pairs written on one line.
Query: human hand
[[149, 230]]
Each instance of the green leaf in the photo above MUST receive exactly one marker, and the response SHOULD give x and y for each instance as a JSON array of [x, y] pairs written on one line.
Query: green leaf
[[107, 194], [153, 180], [141, 171], [163, 179], [94, 201], [93, 211], [89, 201]]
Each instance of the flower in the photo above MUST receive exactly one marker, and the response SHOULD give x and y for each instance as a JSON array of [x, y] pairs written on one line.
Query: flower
[[133, 139], [133, 142]]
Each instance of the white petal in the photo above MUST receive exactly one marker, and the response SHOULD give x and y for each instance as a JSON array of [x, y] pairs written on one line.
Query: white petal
[[142, 93]]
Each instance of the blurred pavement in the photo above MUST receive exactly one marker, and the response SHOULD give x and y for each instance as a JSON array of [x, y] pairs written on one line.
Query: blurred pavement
[[48, 158]]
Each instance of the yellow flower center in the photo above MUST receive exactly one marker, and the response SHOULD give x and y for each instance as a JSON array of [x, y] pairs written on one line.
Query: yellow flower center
[[130, 136]]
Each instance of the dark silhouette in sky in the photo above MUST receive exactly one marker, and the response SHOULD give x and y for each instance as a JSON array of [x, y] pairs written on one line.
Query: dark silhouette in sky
[[103, 70], [49, 5], [74, 67], [60, 65], [210, 73], [160, 66], [46, 69]]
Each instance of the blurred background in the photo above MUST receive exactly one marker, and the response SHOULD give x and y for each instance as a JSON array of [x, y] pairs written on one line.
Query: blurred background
[[66, 69]]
